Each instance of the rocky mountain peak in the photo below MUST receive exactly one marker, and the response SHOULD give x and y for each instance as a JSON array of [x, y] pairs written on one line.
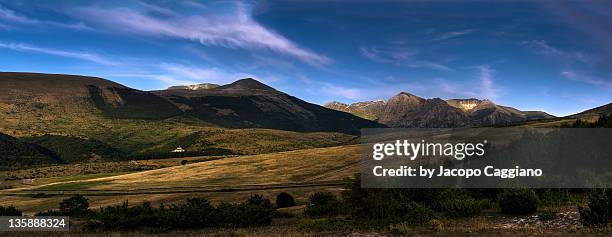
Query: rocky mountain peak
[[406, 99], [337, 106], [470, 104], [203, 86]]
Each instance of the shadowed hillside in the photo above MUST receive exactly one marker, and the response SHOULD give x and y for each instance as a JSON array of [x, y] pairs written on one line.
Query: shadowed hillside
[[249, 103], [15, 153]]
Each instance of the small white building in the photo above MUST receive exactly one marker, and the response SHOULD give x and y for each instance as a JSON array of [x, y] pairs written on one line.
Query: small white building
[[27, 181], [178, 150]]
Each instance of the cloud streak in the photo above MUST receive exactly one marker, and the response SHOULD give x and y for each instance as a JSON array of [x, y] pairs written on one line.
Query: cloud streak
[[238, 30], [607, 85], [542, 47], [399, 57], [57, 52], [486, 80], [453, 34], [8, 15], [343, 92], [192, 75]]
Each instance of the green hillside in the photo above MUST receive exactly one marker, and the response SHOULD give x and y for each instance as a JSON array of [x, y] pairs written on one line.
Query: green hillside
[[76, 149], [111, 117], [15, 153]]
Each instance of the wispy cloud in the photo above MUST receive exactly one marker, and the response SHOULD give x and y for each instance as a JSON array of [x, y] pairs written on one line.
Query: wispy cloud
[[430, 65], [92, 57], [591, 19], [10, 16], [399, 57], [238, 30], [487, 80], [342, 92], [605, 84], [190, 75], [453, 34], [482, 87], [173, 74], [542, 47]]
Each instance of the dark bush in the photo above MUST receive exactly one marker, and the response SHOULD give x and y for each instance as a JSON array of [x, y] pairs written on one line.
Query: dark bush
[[256, 211], [415, 213], [284, 200], [553, 197], [9, 211], [50, 213], [518, 201], [322, 204], [125, 218], [462, 206], [389, 205], [599, 210], [184, 162], [74, 206], [194, 213]]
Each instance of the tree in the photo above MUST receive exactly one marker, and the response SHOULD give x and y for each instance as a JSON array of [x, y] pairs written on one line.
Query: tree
[[75, 205], [284, 200]]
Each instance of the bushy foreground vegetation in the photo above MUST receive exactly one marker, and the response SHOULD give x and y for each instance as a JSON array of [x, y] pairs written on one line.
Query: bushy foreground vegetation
[[194, 213], [355, 208], [599, 209], [518, 201], [9, 211]]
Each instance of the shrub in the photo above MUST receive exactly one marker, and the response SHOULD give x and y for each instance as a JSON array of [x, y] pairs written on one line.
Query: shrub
[[462, 206], [389, 205], [256, 211], [322, 204], [9, 211], [184, 162], [553, 197], [284, 200], [50, 213], [125, 218], [599, 210], [518, 201], [75, 205], [416, 214], [196, 213]]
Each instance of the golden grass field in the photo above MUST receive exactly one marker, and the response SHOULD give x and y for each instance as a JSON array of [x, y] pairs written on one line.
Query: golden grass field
[[235, 178]]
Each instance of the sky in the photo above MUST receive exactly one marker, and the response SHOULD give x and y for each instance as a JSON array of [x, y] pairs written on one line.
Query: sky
[[554, 56]]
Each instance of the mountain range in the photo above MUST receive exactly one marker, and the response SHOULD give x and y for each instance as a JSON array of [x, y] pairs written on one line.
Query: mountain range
[[54, 118], [407, 110], [246, 103]]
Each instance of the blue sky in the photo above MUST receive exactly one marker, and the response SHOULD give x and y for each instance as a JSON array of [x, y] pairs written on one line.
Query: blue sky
[[554, 56]]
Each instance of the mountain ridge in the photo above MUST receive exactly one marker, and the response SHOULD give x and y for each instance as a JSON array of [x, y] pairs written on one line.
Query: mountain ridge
[[245, 103], [408, 110]]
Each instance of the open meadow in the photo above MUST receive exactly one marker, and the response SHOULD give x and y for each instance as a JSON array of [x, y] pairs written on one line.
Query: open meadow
[[228, 178]]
